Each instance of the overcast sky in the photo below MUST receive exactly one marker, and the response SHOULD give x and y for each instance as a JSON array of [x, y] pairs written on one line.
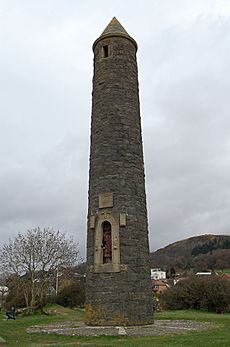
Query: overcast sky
[[46, 67]]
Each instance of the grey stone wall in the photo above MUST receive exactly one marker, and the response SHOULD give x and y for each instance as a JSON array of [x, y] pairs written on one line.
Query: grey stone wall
[[116, 165]]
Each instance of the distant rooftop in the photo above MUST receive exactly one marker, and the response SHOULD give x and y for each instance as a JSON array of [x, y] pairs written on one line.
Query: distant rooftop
[[205, 273]]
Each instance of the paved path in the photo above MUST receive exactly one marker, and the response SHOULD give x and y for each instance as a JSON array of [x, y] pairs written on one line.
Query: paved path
[[160, 327]]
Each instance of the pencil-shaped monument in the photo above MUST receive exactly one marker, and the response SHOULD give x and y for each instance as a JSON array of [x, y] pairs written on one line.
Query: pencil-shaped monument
[[118, 287]]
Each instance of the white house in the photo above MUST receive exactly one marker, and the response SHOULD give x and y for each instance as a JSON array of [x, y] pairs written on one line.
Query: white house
[[157, 274]]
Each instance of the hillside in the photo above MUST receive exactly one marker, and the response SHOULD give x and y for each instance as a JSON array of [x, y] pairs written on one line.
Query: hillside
[[199, 253]]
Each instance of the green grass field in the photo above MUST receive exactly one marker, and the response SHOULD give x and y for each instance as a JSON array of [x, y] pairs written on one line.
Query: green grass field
[[224, 271], [14, 332]]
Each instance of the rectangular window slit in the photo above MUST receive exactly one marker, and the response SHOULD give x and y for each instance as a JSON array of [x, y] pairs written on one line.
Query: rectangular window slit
[[106, 51]]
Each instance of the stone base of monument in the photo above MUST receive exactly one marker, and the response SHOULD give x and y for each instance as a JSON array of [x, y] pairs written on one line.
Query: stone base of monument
[[160, 327]]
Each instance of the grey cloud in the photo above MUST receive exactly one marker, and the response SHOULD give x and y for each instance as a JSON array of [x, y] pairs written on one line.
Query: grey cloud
[[45, 87]]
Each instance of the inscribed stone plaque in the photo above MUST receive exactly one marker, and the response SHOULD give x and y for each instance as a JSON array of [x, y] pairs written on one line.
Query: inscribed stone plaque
[[105, 200], [122, 219]]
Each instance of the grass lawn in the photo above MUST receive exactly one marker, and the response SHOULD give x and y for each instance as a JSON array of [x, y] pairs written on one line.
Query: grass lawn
[[14, 332], [224, 271]]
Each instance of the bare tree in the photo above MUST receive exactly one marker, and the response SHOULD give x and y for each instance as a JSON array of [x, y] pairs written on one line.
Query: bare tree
[[34, 257]]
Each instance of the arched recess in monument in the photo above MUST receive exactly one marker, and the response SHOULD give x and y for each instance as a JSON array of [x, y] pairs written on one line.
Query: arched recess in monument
[[106, 243]]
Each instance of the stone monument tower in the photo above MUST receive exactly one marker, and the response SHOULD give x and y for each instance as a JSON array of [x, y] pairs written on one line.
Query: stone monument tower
[[118, 290]]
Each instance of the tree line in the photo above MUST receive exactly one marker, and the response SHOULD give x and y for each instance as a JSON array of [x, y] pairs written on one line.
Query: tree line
[[210, 245]]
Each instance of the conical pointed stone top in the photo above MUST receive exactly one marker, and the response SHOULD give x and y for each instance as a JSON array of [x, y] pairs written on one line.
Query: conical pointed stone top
[[114, 28]]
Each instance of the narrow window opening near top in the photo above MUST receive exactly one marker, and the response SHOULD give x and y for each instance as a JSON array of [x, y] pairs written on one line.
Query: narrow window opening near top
[[106, 51]]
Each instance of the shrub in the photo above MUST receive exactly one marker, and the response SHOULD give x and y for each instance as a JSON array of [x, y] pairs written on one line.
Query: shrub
[[211, 293], [72, 295], [15, 296], [216, 296]]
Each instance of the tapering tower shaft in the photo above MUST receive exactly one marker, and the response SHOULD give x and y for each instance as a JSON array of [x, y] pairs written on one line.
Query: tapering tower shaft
[[118, 287]]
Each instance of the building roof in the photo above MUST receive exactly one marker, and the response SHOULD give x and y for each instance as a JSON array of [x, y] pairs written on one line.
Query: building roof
[[226, 276], [114, 28]]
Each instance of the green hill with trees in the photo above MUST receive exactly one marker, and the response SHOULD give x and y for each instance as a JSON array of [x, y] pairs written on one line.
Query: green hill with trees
[[198, 253]]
